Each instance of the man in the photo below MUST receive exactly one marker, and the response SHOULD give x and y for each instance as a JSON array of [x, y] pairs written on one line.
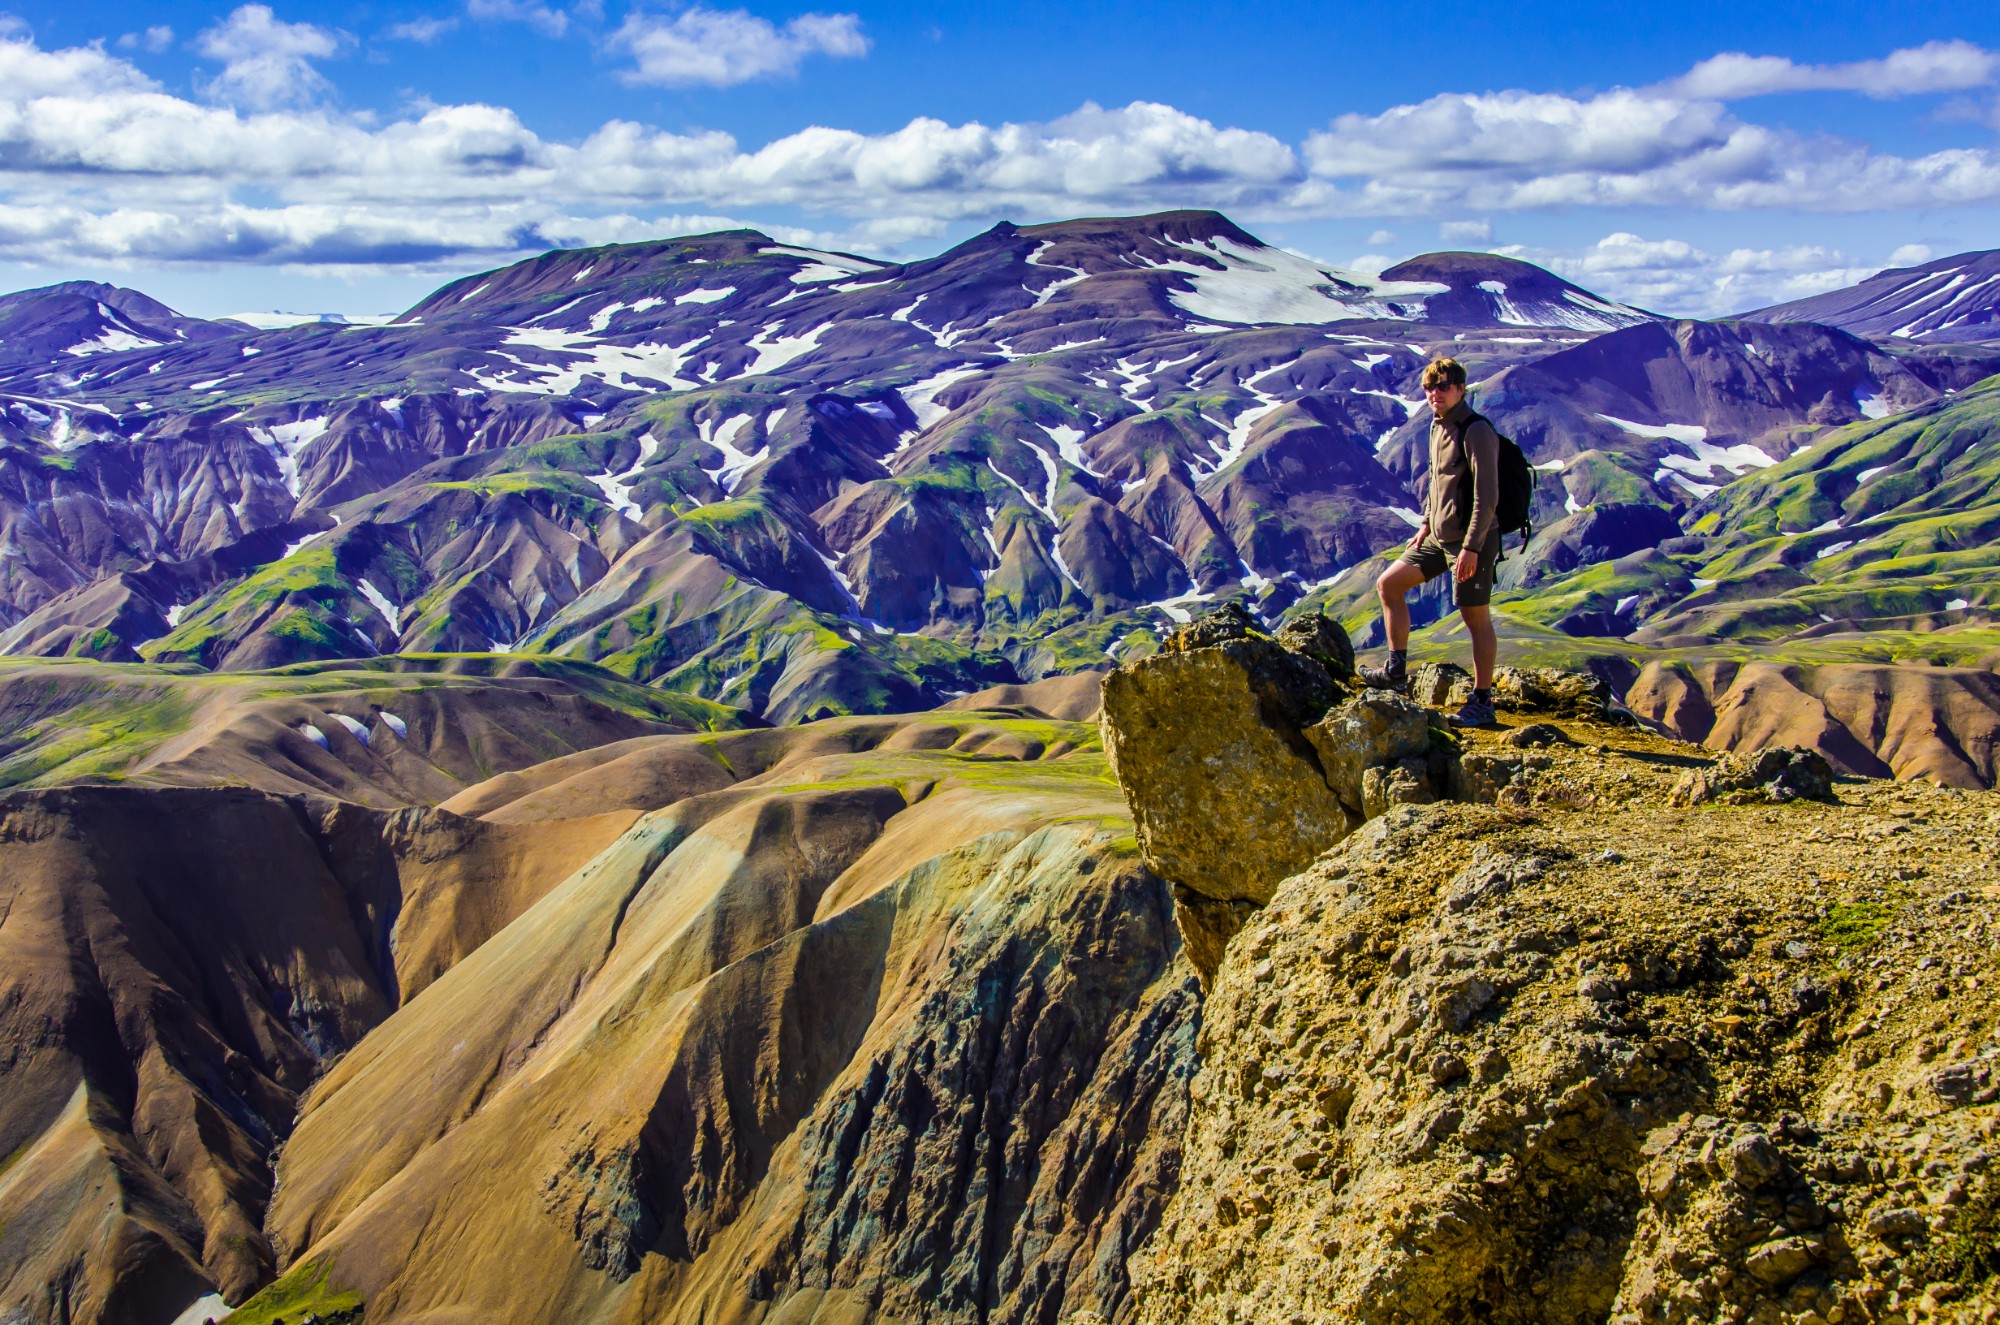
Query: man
[[1460, 534]]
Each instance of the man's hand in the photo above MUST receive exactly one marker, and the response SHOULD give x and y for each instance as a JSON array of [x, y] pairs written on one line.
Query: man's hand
[[1468, 564], [1423, 532]]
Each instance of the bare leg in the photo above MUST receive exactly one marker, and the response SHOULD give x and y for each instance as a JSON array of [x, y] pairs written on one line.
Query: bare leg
[[1485, 644], [1390, 587]]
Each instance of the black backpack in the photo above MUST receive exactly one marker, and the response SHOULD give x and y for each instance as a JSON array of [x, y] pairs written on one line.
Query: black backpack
[[1517, 484]]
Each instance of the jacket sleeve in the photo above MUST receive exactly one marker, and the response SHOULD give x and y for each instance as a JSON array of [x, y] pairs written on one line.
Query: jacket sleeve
[[1482, 449]]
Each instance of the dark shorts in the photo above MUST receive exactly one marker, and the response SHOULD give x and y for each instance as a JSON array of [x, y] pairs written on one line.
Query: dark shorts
[[1434, 559]]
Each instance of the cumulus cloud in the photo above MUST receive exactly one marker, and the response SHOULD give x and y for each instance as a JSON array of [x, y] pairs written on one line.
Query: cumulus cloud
[[267, 61], [1911, 255], [544, 19], [1515, 151], [100, 164], [1676, 277], [721, 48], [1937, 66]]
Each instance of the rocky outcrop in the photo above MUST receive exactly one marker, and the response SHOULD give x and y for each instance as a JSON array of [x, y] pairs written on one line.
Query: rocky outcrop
[[1242, 760], [1591, 1057]]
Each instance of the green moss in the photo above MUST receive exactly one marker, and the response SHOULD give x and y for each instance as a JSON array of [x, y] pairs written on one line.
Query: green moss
[[722, 514], [92, 740], [307, 1289], [1852, 926], [1967, 1251], [307, 627]]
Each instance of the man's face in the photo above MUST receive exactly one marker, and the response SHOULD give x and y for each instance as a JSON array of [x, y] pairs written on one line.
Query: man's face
[[1443, 399]]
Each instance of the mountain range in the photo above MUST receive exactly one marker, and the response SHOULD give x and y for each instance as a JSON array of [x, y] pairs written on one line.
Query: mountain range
[[803, 483]]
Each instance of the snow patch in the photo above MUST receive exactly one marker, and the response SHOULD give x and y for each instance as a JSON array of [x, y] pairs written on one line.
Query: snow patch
[[309, 539], [736, 462], [1867, 474], [1067, 442], [1623, 603], [286, 441], [313, 734], [822, 266], [615, 365], [774, 352], [395, 724], [1238, 437], [705, 296], [921, 397], [1832, 548], [1259, 285], [211, 1307], [1684, 433], [390, 612], [1407, 516], [1957, 605], [1868, 399], [1664, 475], [355, 728]]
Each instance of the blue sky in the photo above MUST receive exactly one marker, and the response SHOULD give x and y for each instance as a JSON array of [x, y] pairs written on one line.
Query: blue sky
[[348, 157]]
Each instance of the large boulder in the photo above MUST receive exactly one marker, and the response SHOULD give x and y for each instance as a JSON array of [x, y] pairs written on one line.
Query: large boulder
[[1207, 739], [1375, 751]]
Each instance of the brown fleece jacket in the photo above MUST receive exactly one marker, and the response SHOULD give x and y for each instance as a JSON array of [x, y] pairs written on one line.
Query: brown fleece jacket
[[1455, 448]]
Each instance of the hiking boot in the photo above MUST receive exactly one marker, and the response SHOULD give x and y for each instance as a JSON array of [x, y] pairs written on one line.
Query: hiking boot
[[1477, 712], [1389, 676]]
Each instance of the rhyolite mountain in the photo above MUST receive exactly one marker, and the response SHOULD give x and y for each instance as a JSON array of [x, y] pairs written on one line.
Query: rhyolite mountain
[[1946, 299], [804, 483]]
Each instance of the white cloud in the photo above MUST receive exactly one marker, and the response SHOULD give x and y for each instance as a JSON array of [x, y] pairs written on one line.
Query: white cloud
[[28, 73], [721, 48], [1937, 66], [549, 22], [1516, 151], [154, 39], [100, 164], [1911, 255], [1675, 277], [423, 31], [266, 61]]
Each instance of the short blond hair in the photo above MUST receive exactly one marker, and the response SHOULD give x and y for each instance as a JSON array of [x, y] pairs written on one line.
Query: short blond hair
[[1443, 372]]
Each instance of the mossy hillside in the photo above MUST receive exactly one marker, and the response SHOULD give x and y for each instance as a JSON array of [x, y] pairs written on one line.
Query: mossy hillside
[[1945, 454], [310, 1289], [227, 615], [1599, 587], [569, 496], [94, 740], [64, 721]]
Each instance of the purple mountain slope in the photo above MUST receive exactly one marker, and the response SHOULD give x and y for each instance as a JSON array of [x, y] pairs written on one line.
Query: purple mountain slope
[[1950, 299], [806, 482]]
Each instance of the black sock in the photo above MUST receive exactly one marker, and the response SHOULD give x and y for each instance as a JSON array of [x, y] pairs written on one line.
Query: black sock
[[1484, 696], [1399, 660]]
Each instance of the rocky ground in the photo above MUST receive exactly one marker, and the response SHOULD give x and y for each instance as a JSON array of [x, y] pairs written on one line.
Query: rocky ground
[[1584, 1054]]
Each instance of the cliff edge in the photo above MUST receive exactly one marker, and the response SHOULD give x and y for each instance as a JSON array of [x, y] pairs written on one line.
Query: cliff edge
[[1566, 1022]]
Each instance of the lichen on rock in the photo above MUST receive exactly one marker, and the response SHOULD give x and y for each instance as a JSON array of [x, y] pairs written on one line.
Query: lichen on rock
[[1586, 1055], [1780, 775]]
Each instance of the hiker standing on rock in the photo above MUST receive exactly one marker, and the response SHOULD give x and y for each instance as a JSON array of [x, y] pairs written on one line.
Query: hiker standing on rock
[[1460, 534]]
